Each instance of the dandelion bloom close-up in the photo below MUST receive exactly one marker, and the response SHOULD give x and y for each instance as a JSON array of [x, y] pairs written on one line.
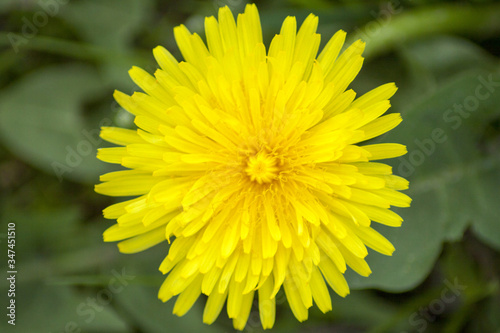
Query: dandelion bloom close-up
[[251, 164]]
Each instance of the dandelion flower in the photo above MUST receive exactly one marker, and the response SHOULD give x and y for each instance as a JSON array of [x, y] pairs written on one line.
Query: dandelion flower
[[251, 164]]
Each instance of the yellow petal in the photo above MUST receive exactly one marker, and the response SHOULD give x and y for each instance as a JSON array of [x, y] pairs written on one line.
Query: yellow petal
[[214, 306], [320, 291], [188, 297], [267, 304]]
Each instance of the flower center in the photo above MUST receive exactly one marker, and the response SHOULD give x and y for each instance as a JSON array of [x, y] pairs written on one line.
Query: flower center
[[262, 168]]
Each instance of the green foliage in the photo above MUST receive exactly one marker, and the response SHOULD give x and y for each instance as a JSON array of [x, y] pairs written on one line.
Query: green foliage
[[57, 80], [453, 180], [42, 121]]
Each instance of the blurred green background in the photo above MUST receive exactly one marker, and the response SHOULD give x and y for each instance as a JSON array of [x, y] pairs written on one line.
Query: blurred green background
[[61, 60]]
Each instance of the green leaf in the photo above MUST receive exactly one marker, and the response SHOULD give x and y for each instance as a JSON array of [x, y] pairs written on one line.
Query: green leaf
[[60, 309], [445, 56], [427, 21], [41, 121], [151, 315], [44, 230], [432, 61], [454, 179], [109, 23], [113, 25]]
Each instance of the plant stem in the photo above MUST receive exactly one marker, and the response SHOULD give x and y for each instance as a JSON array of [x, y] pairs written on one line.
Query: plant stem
[[75, 50], [386, 32]]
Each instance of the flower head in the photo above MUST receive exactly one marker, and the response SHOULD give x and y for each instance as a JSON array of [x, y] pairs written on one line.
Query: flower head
[[248, 163]]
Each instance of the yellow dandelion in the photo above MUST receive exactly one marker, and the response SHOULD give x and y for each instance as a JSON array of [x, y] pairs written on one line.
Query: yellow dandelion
[[248, 163]]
